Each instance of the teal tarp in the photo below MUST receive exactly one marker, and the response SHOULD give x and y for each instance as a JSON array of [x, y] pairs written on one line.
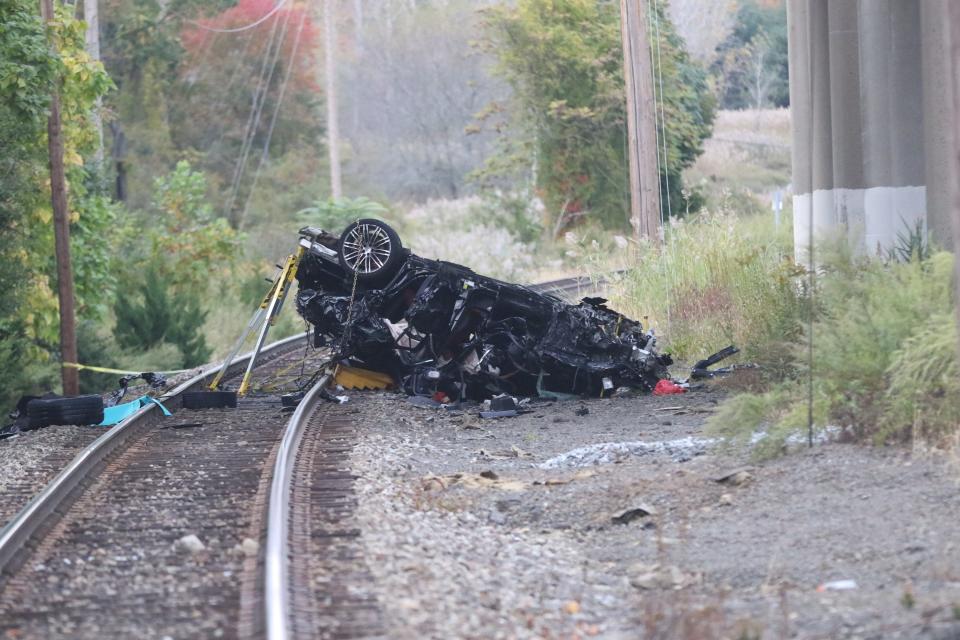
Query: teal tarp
[[120, 412]]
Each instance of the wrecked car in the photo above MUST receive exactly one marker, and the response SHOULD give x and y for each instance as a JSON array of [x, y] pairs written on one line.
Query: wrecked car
[[437, 326]]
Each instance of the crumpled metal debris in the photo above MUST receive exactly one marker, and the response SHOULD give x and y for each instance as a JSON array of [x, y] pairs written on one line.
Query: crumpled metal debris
[[440, 328]]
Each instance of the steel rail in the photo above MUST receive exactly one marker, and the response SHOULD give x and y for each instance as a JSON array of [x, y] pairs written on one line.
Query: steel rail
[[574, 284], [24, 526], [277, 556]]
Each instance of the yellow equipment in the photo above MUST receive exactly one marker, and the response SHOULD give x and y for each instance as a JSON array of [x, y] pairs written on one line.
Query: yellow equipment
[[265, 317]]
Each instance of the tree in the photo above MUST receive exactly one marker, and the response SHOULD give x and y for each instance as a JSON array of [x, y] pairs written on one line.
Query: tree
[[412, 84], [259, 92], [563, 59], [28, 69], [750, 66]]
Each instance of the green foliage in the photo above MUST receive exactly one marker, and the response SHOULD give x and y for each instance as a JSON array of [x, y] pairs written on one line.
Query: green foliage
[[912, 243], [717, 280], [564, 61], [177, 259], [512, 211], [30, 68], [27, 66], [151, 315], [751, 66], [334, 214], [924, 384], [884, 361], [190, 246]]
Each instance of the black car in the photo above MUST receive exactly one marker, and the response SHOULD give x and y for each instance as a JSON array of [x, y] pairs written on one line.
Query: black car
[[439, 326]]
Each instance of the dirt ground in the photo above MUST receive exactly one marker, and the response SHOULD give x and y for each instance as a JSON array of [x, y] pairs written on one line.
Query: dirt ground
[[486, 529]]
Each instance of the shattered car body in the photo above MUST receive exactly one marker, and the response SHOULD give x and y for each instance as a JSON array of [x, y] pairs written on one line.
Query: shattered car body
[[439, 326]]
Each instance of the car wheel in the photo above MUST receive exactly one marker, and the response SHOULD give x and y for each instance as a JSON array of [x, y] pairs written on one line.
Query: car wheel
[[80, 410], [370, 250]]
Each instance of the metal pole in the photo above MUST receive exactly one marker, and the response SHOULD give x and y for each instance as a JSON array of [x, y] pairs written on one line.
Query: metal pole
[[641, 124], [333, 125], [61, 232], [954, 20], [91, 15]]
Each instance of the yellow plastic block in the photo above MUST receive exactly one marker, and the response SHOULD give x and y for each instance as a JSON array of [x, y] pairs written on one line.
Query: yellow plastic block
[[361, 379]]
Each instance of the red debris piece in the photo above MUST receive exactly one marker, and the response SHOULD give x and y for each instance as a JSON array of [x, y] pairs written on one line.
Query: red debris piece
[[441, 397], [666, 388]]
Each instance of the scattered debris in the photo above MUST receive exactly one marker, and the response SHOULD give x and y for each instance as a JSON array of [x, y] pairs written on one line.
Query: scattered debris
[[189, 544], [630, 514], [291, 400], [582, 410], [572, 607], [681, 450], [513, 452], [118, 413], [579, 475], [726, 500], [838, 585], [485, 480], [157, 382], [209, 399], [667, 387], [360, 379], [735, 477], [501, 406], [250, 547], [184, 425], [656, 576]]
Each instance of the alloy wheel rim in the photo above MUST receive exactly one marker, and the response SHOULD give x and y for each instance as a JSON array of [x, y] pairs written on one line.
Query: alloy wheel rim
[[366, 248]]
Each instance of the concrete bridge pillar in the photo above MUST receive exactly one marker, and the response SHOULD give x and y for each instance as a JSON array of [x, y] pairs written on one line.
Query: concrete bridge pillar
[[870, 96]]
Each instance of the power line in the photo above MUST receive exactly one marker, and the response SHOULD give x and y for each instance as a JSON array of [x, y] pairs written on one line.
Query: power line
[[259, 98], [663, 115], [256, 23], [273, 121]]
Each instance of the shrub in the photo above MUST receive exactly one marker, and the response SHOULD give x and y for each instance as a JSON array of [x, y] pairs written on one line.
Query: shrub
[[717, 280], [884, 358], [462, 231], [334, 214], [152, 315]]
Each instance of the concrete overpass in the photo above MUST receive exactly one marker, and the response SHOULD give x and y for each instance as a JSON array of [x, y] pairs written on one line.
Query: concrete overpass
[[871, 96]]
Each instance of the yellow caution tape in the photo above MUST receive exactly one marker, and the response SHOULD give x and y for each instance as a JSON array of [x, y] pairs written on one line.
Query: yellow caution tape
[[87, 367]]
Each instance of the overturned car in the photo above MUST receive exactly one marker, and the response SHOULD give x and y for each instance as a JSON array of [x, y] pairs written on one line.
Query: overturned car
[[439, 327]]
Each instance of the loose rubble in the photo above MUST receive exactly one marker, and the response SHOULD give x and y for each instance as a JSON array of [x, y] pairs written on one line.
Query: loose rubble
[[648, 545]]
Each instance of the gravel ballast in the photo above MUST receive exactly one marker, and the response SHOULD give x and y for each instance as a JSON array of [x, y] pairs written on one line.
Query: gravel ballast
[[472, 532]]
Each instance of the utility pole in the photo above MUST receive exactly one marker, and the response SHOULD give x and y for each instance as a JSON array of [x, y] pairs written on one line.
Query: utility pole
[[61, 231], [333, 125], [641, 121], [91, 16], [954, 33]]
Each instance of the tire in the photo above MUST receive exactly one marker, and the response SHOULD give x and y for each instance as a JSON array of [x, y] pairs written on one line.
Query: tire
[[209, 399], [370, 250], [79, 410]]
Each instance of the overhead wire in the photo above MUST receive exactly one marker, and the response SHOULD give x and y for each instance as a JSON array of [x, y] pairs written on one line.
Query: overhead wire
[[656, 72], [264, 156], [235, 179], [656, 125], [246, 27], [257, 112], [812, 269], [663, 117], [222, 100]]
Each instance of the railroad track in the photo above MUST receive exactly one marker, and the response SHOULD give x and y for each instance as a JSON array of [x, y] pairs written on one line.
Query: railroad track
[[572, 288], [316, 582], [103, 550]]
